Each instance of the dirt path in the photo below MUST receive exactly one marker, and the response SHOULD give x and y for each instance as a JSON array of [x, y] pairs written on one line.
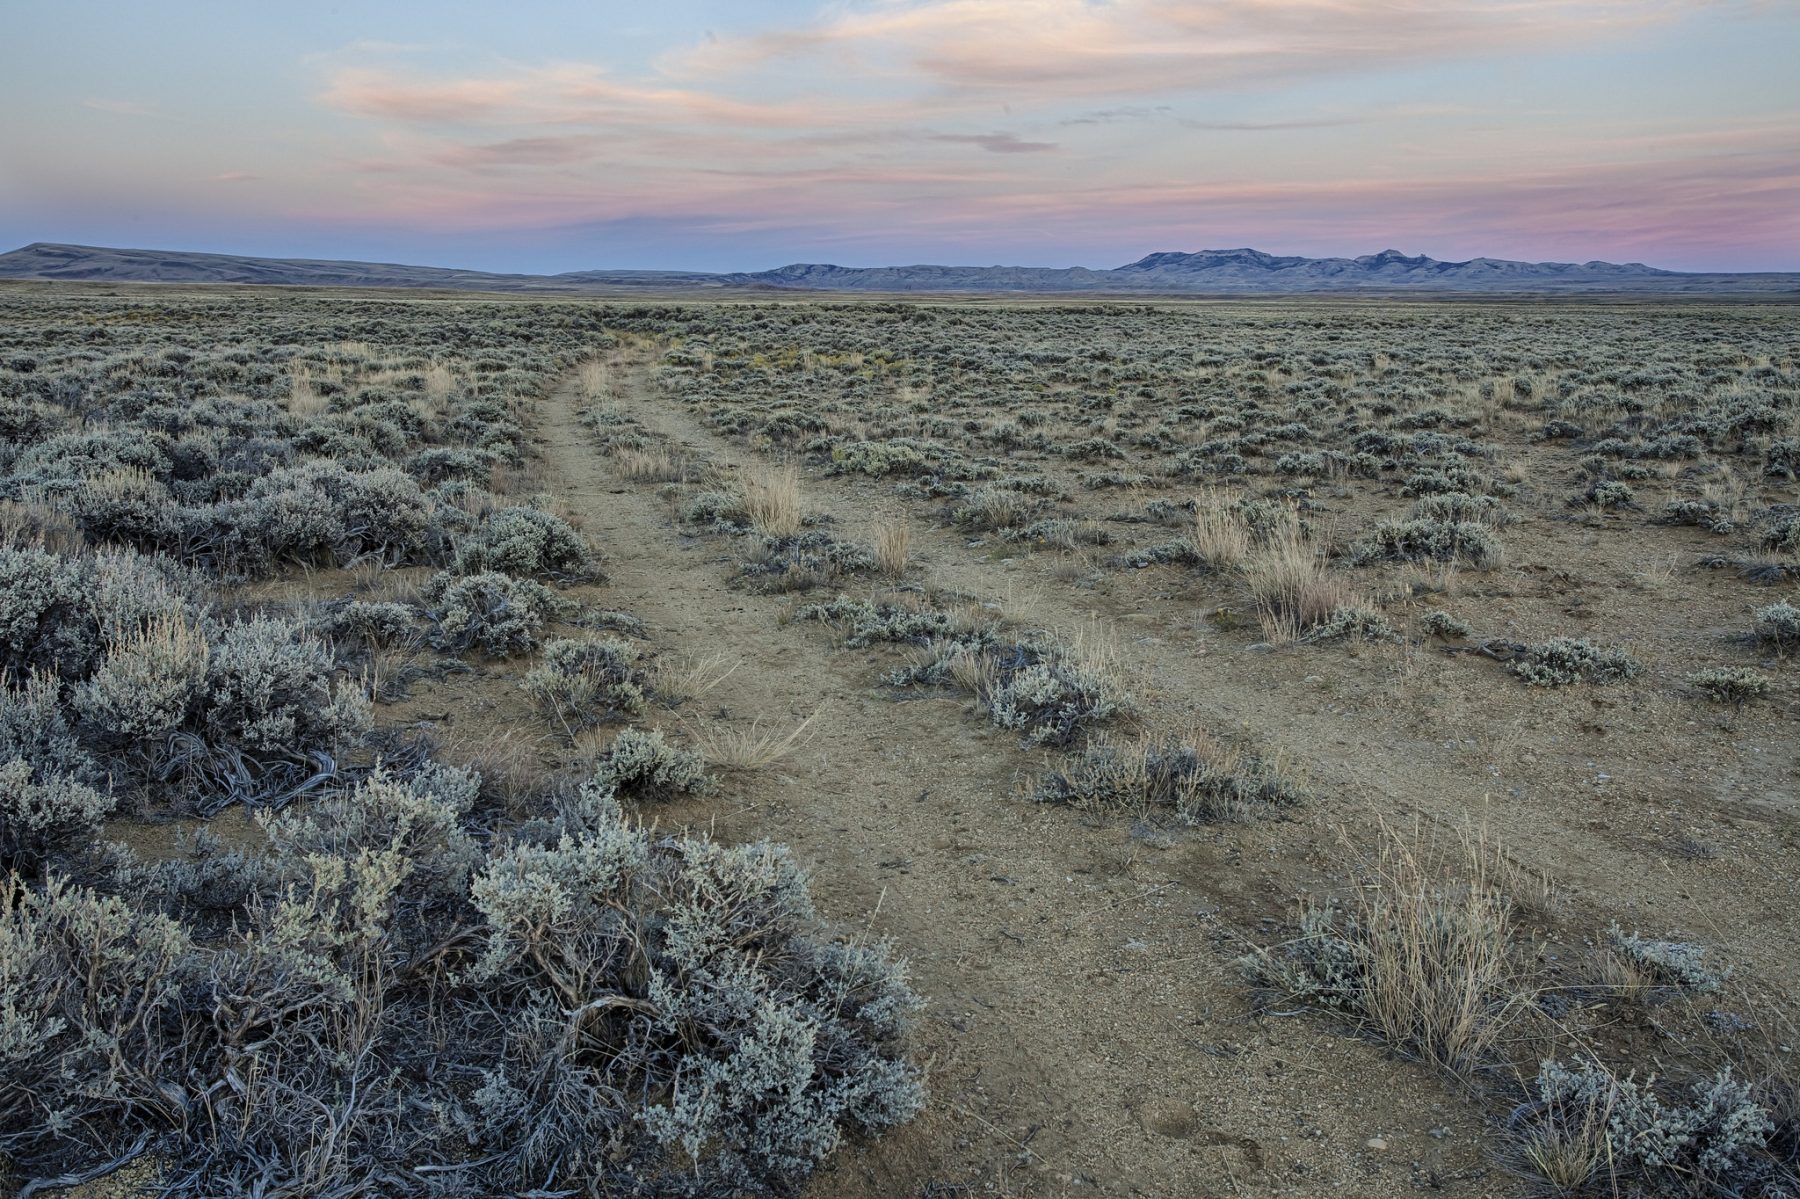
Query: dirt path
[[1087, 1032]]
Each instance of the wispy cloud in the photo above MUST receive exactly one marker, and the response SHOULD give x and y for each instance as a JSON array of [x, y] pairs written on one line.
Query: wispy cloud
[[958, 122], [557, 94], [998, 143], [1135, 47], [522, 152]]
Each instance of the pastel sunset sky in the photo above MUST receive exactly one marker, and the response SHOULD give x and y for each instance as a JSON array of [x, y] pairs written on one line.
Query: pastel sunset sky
[[710, 135]]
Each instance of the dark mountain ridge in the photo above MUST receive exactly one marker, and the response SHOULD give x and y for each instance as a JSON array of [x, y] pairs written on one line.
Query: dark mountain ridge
[[1204, 272]]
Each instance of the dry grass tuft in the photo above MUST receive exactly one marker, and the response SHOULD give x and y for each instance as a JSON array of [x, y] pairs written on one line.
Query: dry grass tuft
[[1219, 535], [1292, 585], [772, 500], [590, 380], [1093, 647], [969, 668], [1438, 960], [439, 384], [30, 525], [510, 763], [304, 399], [756, 747], [893, 546], [691, 676], [1422, 952], [528, 478], [650, 466], [1568, 1151]]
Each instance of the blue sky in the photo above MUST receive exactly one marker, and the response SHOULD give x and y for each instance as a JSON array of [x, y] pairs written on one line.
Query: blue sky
[[565, 136]]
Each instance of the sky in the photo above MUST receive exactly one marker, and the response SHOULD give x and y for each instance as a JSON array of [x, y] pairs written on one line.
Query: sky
[[553, 136]]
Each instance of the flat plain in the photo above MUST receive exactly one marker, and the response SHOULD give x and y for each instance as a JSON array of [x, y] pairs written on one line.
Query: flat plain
[[487, 745]]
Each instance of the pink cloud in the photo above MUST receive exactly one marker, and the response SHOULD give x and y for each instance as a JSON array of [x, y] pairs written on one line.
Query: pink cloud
[[372, 93], [1648, 207], [861, 126], [1133, 47], [564, 94]]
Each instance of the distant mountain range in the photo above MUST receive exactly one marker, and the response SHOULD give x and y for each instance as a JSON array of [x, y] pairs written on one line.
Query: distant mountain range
[[1206, 272]]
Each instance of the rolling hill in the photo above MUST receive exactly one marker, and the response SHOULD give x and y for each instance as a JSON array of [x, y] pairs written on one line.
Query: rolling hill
[[1205, 272]]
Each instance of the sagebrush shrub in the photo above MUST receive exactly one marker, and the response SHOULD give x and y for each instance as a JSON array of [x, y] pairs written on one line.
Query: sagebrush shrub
[[581, 683], [527, 542], [1778, 626], [371, 624], [1734, 685], [1608, 495], [1354, 622], [128, 505], [720, 511], [1443, 624], [495, 613], [1782, 537], [1627, 1137], [866, 622], [268, 690], [147, 683], [43, 816], [34, 726], [422, 818], [596, 1008], [1707, 514], [641, 764], [803, 560], [1199, 781], [1680, 964], [1044, 697], [879, 459], [993, 508], [44, 621], [1456, 507], [1563, 661], [1436, 540], [90, 1029]]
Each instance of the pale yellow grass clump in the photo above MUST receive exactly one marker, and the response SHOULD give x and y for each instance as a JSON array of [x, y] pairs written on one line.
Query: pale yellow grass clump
[[509, 761], [1220, 536], [30, 524], [590, 380], [650, 466], [968, 668], [1092, 645], [1286, 568], [1422, 951], [439, 383], [304, 399], [893, 545], [1292, 585], [1569, 1148], [386, 666], [691, 676], [755, 748], [1438, 957], [772, 500], [124, 485]]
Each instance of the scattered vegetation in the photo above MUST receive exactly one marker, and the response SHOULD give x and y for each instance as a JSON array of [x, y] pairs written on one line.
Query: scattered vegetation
[[233, 530], [1194, 778], [1564, 661]]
